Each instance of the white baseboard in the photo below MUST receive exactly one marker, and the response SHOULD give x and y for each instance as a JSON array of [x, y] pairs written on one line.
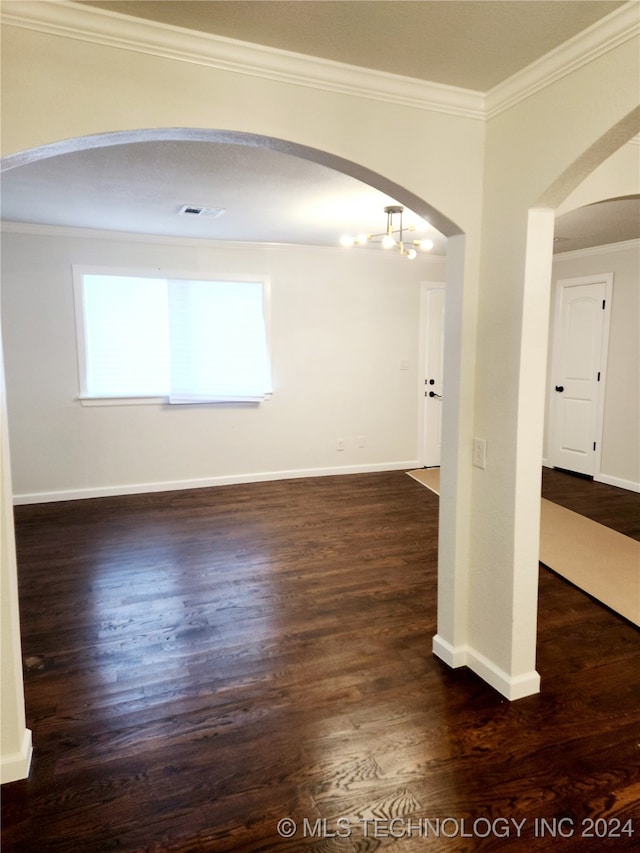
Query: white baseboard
[[512, 687], [618, 481], [205, 482], [16, 766], [453, 656]]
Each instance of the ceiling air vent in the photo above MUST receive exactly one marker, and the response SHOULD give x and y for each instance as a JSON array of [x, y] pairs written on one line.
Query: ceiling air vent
[[196, 210]]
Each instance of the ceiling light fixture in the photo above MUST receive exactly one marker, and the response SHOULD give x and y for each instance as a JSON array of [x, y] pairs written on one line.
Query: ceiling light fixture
[[393, 237]]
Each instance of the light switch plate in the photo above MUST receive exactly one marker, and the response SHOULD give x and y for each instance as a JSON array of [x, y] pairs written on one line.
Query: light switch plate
[[480, 452]]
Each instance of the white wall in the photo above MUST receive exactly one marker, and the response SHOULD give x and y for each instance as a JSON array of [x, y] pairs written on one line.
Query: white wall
[[620, 463], [341, 321], [618, 175], [15, 738], [534, 157], [65, 79]]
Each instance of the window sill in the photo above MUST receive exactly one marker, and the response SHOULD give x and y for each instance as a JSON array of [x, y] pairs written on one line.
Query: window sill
[[123, 401], [164, 401]]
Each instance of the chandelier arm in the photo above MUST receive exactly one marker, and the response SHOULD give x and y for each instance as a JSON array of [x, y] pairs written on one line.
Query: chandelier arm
[[391, 232]]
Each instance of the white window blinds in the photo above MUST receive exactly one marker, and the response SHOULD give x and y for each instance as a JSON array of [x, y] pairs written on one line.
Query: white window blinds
[[126, 336], [189, 340], [218, 341]]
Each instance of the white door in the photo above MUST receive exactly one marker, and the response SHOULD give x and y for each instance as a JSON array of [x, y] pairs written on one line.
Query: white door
[[432, 388], [578, 372]]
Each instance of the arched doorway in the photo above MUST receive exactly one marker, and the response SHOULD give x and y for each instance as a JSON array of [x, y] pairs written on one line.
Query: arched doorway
[[126, 141], [339, 164], [24, 159], [534, 349]]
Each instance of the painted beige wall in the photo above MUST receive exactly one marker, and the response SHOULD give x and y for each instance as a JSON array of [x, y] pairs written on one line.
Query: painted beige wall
[[55, 89], [342, 322], [537, 152], [618, 176], [438, 156], [528, 149], [15, 738]]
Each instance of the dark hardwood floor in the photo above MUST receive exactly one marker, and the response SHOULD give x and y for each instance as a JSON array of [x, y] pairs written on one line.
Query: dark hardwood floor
[[202, 665], [613, 507]]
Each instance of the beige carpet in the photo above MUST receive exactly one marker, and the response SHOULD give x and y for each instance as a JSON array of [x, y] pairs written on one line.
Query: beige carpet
[[600, 561]]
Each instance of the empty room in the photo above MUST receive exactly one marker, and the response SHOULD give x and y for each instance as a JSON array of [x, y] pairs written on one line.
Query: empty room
[[320, 459]]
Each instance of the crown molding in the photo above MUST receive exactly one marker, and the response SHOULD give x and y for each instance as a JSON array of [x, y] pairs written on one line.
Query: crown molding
[[69, 232], [99, 26], [112, 29], [606, 34], [73, 232], [605, 249], [34, 229]]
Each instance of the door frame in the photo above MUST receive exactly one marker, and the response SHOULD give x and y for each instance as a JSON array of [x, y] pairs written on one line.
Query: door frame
[[425, 288], [561, 284]]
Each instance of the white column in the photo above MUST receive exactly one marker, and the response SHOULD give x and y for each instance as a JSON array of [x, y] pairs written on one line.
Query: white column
[[15, 737], [450, 643]]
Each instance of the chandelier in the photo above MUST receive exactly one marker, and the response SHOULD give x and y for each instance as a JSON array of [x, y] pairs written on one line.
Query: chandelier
[[393, 237]]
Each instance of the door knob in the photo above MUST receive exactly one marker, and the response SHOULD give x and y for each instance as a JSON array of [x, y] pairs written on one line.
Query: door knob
[[560, 388], [433, 394]]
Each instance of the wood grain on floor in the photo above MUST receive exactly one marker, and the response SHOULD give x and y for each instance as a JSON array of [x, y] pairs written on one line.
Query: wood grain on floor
[[203, 665]]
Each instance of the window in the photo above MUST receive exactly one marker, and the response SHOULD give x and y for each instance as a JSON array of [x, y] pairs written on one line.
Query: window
[[188, 340]]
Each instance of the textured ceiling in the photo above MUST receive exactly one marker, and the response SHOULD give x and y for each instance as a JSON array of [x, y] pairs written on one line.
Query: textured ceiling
[[267, 196], [610, 221]]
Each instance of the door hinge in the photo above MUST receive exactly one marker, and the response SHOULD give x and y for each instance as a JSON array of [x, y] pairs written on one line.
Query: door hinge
[[594, 445], [598, 376], [604, 302]]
